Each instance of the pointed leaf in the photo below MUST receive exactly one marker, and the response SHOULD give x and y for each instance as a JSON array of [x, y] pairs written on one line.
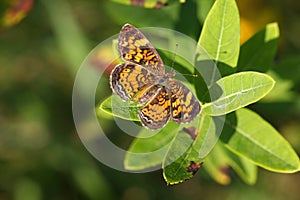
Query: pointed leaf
[[189, 147], [220, 35], [237, 91], [182, 159], [248, 135]]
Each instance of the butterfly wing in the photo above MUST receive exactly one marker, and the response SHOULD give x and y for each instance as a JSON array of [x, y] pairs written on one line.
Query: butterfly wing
[[156, 113], [184, 105], [131, 81], [134, 47]]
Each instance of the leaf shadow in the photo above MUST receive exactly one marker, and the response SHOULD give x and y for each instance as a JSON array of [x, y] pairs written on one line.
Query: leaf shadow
[[206, 88]]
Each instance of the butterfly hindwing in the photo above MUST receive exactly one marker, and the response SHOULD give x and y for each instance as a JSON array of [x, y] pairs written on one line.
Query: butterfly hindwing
[[156, 113], [142, 79], [184, 105]]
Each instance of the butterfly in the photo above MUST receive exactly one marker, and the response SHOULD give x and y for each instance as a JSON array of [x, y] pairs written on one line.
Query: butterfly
[[142, 79]]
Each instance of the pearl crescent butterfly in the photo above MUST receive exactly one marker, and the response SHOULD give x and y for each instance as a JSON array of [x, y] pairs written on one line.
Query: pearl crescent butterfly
[[142, 79]]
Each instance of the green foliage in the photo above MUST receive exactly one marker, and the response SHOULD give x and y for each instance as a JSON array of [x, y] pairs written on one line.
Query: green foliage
[[247, 140], [238, 90], [220, 35], [248, 135], [41, 155]]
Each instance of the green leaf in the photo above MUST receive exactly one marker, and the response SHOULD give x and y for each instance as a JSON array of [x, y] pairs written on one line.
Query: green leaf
[[237, 91], [113, 105], [193, 142], [220, 35], [183, 153], [258, 52], [248, 135], [149, 147]]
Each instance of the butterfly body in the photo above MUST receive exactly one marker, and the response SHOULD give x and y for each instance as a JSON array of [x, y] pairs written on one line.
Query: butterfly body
[[142, 79]]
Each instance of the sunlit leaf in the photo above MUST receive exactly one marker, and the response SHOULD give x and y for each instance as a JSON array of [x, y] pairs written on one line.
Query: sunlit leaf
[[182, 159], [248, 135], [237, 91], [190, 146], [220, 35]]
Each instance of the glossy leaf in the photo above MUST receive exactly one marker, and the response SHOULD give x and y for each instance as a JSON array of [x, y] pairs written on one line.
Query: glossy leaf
[[237, 91], [191, 145], [248, 135], [182, 156], [220, 35]]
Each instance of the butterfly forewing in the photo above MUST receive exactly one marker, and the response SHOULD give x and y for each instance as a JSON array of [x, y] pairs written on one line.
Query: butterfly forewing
[[184, 105], [134, 47], [129, 81], [142, 79]]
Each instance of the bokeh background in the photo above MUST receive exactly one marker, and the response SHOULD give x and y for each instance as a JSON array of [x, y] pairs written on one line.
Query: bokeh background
[[42, 44]]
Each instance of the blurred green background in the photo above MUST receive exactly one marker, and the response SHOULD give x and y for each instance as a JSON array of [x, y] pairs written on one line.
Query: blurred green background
[[43, 43]]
